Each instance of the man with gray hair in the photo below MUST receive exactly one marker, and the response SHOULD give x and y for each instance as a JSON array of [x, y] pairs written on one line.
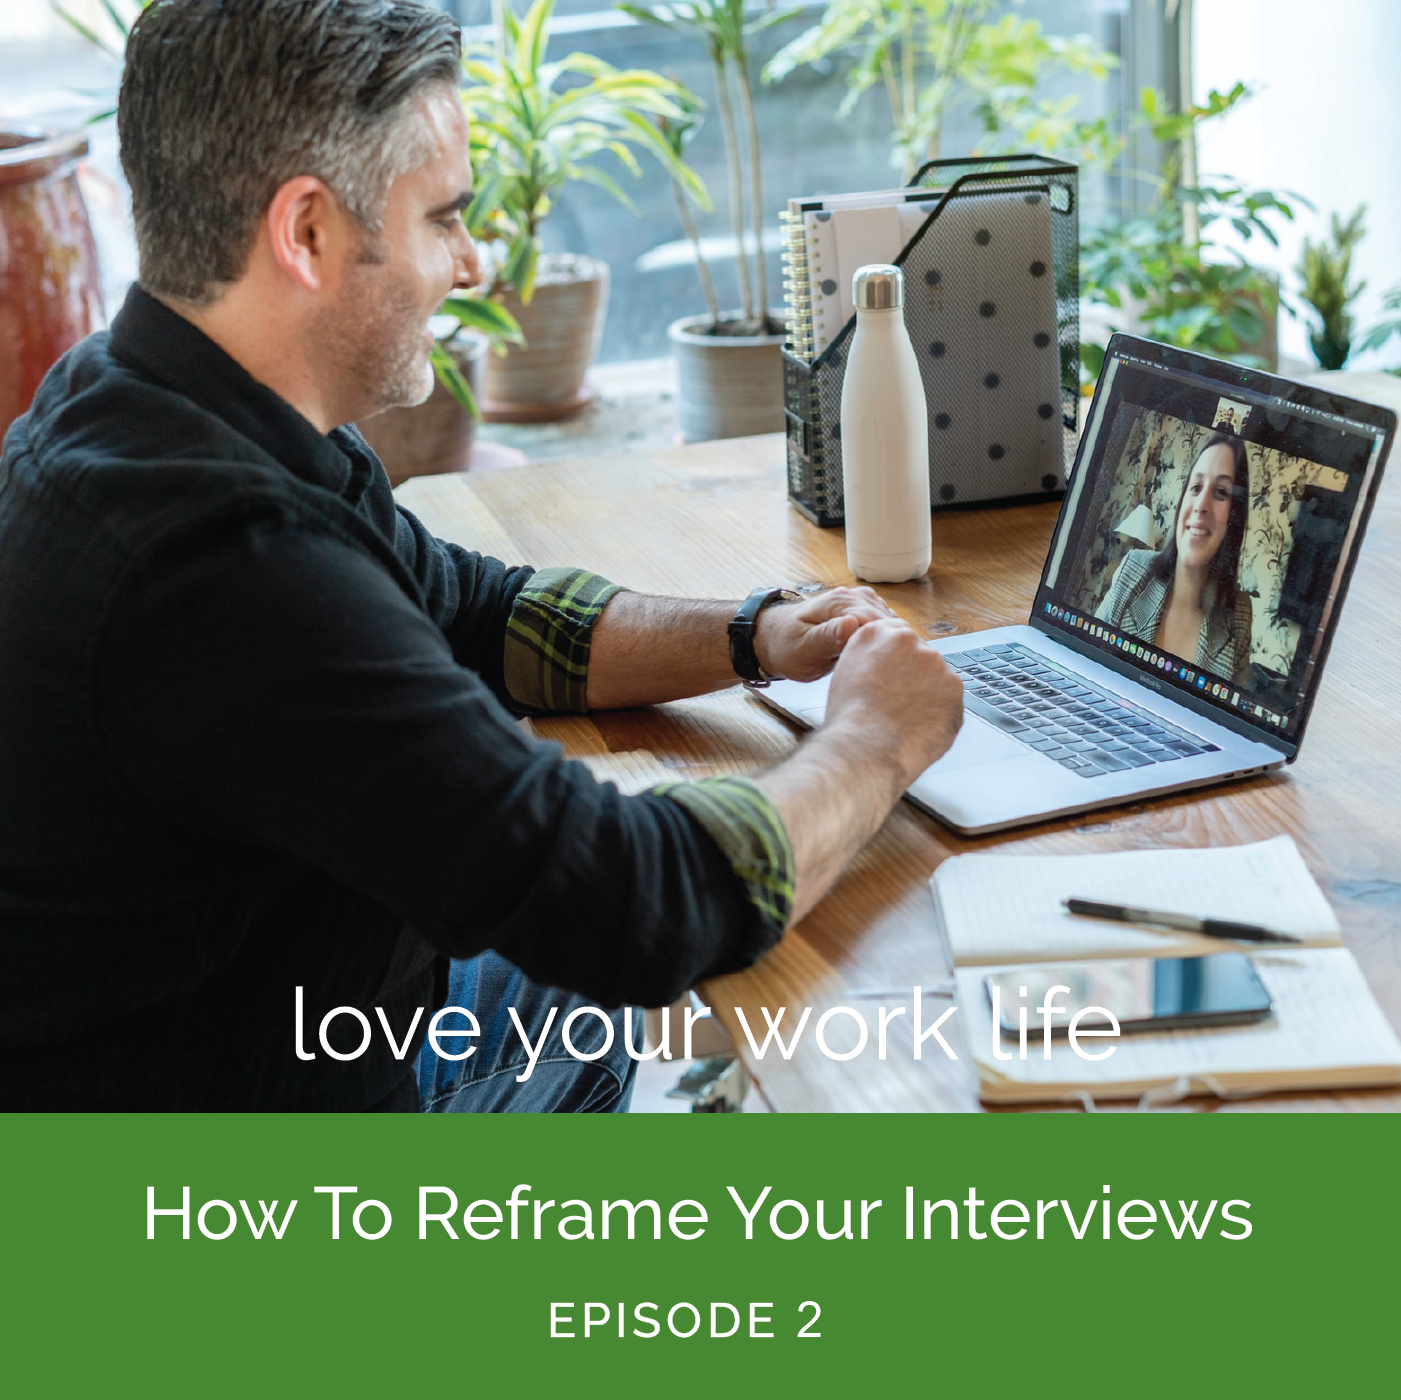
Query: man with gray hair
[[260, 783]]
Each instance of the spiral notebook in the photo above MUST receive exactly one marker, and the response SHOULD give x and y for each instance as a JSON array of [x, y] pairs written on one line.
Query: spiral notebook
[[827, 239], [981, 310], [995, 234]]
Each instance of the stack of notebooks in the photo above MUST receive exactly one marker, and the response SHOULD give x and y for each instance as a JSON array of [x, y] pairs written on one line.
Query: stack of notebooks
[[981, 310], [826, 238], [1325, 1032]]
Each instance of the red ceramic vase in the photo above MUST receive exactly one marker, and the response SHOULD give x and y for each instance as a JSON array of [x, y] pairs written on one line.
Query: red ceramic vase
[[50, 290]]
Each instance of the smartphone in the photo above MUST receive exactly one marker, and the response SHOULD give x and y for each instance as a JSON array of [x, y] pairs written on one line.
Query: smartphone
[[1145, 994]]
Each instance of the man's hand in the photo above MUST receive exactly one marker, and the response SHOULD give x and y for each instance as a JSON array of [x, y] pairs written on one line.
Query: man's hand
[[893, 708], [895, 697], [803, 640]]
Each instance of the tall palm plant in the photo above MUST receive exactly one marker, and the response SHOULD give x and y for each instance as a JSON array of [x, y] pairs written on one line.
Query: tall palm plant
[[930, 57], [724, 30]]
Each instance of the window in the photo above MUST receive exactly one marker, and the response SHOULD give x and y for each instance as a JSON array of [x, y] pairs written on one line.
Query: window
[[46, 71], [806, 149]]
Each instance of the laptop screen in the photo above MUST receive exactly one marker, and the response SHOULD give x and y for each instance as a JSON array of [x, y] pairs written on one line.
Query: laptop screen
[[1209, 529]]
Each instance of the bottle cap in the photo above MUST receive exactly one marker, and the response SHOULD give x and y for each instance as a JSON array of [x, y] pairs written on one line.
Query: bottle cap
[[878, 287]]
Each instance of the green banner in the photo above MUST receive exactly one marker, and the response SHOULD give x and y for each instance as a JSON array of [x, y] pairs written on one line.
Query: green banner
[[827, 1255]]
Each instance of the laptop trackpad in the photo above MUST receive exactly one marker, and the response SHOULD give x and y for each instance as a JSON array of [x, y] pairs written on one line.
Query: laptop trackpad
[[977, 742]]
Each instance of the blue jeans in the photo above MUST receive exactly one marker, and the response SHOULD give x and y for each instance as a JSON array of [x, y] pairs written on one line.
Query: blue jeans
[[486, 1082]]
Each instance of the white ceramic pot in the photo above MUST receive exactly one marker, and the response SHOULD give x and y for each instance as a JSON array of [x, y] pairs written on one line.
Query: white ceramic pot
[[726, 385]]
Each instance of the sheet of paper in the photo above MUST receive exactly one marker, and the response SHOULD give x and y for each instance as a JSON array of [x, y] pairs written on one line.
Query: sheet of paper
[[879, 238], [1326, 1028], [839, 242], [863, 236], [1007, 909]]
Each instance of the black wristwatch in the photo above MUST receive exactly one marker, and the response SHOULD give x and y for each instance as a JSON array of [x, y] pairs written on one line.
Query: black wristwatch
[[741, 629]]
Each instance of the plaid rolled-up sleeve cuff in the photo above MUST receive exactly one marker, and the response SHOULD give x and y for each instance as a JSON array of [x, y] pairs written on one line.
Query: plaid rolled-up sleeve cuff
[[546, 657], [739, 817]]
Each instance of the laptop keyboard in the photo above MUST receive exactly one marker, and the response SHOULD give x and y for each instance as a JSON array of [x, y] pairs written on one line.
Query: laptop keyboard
[[1063, 716]]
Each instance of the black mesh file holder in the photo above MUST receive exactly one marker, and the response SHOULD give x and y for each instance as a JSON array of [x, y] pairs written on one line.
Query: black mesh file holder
[[938, 258]]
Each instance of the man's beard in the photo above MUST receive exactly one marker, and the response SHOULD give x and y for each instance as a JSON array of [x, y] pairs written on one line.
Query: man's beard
[[405, 375], [382, 330], [391, 362]]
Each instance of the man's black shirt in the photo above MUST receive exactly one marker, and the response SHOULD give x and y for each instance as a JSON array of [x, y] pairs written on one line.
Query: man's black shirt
[[254, 735]]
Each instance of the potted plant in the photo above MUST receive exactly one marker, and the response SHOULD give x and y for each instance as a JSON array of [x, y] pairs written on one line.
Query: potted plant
[[931, 56], [1324, 271], [50, 282], [50, 289], [1168, 271], [537, 126], [1377, 335], [729, 363]]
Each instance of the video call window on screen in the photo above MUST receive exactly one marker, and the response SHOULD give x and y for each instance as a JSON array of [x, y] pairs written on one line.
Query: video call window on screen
[[1210, 546]]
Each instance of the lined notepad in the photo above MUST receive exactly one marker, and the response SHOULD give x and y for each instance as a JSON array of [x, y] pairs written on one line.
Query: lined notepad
[[1004, 912], [1001, 909]]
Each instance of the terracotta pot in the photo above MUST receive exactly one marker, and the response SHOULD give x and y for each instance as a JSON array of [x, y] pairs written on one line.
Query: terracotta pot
[[563, 324], [726, 385], [436, 435], [50, 290]]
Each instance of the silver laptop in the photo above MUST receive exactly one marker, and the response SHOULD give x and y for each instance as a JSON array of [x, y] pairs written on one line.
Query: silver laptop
[[1238, 493]]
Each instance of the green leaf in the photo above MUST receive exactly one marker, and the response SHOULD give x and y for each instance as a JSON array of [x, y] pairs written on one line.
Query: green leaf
[[837, 28], [534, 33], [626, 157], [512, 26], [90, 35], [521, 268], [482, 314], [592, 175], [485, 199], [453, 380], [770, 18], [118, 19]]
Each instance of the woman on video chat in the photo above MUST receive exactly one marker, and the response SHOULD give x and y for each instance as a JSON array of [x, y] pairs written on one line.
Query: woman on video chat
[[1184, 598]]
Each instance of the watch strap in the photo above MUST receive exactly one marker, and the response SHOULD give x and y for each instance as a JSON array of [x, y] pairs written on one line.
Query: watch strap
[[741, 629]]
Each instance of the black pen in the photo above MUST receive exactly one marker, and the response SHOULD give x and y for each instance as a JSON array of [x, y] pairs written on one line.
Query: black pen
[[1180, 923]]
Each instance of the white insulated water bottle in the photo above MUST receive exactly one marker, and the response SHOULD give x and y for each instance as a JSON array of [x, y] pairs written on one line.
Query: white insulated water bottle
[[885, 437]]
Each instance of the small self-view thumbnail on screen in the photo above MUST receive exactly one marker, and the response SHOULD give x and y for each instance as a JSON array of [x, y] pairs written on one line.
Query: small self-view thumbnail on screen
[[1209, 547]]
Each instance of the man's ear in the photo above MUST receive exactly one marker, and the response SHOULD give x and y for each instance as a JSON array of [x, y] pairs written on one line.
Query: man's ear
[[305, 226]]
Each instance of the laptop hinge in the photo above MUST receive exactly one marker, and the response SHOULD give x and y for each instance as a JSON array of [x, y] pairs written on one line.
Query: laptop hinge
[[1235, 723]]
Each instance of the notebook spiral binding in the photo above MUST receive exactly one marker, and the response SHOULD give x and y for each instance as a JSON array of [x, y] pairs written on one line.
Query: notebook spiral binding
[[798, 269]]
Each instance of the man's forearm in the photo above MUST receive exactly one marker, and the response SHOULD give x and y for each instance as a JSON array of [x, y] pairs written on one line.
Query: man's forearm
[[892, 709], [833, 795], [646, 650]]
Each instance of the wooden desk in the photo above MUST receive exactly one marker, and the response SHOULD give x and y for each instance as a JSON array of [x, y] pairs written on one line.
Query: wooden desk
[[712, 521]]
